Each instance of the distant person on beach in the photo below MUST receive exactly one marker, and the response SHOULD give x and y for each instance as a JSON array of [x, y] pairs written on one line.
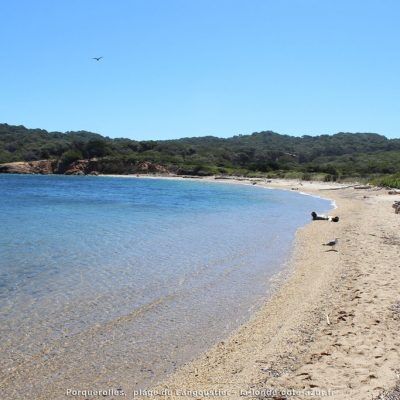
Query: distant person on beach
[[317, 217]]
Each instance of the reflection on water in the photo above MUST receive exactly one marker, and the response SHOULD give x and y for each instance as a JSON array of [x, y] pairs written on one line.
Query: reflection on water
[[118, 281]]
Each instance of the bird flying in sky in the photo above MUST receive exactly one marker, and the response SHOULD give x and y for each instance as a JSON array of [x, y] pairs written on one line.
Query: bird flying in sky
[[97, 58]]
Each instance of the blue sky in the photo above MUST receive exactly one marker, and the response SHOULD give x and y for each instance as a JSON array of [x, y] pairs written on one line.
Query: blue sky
[[175, 68]]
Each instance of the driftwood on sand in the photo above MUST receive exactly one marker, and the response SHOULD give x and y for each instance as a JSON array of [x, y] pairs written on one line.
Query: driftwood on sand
[[362, 187], [338, 188]]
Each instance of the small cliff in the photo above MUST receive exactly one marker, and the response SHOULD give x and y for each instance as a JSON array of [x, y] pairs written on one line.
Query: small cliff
[[92, 166], [43, 167]]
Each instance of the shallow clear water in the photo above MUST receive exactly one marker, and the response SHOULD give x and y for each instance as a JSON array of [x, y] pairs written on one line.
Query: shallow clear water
[[132, 277]]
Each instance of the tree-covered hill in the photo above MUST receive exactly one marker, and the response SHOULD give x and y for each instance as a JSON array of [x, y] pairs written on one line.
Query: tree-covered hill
[[339, 155]]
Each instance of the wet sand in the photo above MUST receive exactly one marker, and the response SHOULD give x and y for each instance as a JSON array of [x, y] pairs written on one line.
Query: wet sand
[[332, 329]]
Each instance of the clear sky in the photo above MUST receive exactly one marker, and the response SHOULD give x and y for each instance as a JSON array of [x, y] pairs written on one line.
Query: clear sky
[[175, 68]]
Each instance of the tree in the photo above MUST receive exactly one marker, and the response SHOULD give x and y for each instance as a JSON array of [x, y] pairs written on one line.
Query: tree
[[70, 156], [96, 148]]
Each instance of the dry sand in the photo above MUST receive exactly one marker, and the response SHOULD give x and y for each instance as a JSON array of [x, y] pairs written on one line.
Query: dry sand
[[332, 330]]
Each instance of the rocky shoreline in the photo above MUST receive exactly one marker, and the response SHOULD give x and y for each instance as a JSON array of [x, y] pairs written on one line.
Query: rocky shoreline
[[93, 166], [43, 167]]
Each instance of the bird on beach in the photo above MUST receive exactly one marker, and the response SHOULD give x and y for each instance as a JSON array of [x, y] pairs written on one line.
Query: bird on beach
[[331, 244], [97, 58]]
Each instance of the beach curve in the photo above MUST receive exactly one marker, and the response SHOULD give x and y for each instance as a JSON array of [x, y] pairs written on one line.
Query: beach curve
[[330, 329]]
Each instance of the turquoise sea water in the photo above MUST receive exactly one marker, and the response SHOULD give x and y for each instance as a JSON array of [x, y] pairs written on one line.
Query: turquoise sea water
[[132, 276]]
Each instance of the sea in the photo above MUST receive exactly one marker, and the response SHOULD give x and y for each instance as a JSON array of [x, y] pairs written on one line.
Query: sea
[[117, 281]]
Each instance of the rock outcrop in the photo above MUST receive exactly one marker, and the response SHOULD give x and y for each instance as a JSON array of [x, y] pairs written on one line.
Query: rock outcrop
[[43, 167], [93, 166], [149, 167], [79, 167]]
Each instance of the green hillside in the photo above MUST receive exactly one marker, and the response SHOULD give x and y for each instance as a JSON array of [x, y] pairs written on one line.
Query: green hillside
[[332, 156]]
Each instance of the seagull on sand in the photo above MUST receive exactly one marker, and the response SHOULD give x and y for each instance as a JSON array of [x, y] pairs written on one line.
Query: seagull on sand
[[331, 244], [97, 58]]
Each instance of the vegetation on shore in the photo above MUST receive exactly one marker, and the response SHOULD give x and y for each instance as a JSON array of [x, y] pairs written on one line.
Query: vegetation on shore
[[366, 156], [388, 180]]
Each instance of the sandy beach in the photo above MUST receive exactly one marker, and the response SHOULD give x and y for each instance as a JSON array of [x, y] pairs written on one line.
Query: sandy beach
[[331, 330]]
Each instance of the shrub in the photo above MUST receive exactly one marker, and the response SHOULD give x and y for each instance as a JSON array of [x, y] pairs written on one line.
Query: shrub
[[392, 181], [70, 156]]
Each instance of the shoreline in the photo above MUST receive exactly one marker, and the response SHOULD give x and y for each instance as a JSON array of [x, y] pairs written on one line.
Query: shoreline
[[304, 340], [330, 324], [40, 364], [274, 184]]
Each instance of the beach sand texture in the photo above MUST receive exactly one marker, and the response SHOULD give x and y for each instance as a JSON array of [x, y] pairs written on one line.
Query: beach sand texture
[[332, 330]]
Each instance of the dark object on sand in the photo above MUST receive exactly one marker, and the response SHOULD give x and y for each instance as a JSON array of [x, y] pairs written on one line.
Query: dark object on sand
[[362, 187], [317, 217], [332, 244], [396, 206]]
